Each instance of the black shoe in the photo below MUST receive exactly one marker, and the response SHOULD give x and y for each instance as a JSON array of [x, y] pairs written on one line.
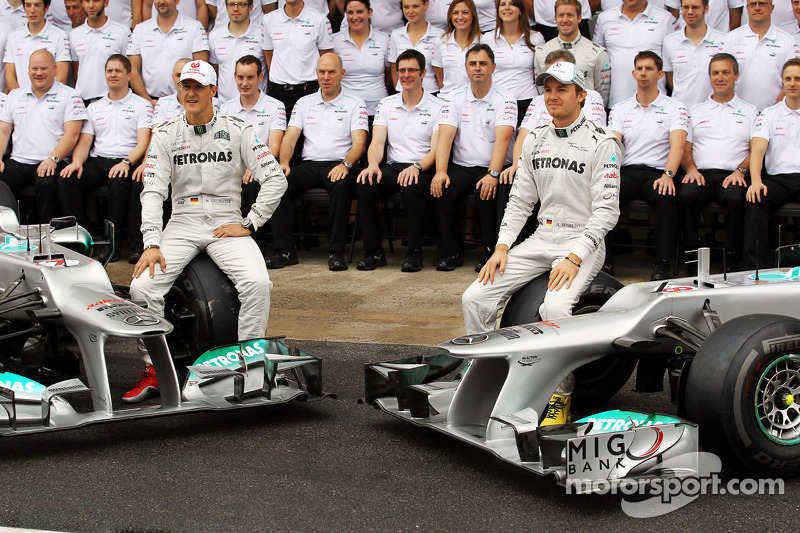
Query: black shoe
[[412, 262], [609, 267], [282, 258], [336, 262], [660, 271], [373, 260], [487, 253], [108, 256], [450, 262], [134, 258]]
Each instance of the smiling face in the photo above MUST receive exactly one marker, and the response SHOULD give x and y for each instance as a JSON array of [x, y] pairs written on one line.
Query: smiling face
[[563, 100], [567, 19], [196, 99], [461, 17], [723, 78], [414, 10], [42, 70], [693, 12], [357, 16], [247, 79], [75, 12], [508, 12], [409, 74]]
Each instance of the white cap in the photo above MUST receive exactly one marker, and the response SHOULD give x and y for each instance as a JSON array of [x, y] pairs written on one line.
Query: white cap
[[199, 71], [565, 72]]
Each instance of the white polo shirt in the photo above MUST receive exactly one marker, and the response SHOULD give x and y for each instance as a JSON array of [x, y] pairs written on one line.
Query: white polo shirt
[[21, 44], [268, 114], [295, 43], [476, 120], [514, 72], [718, 16], [537, 114], [159, 51], [187, 8], [623, 38], [793, 29], [328, 126], [449, 57], [365, 67], [645, 132], [91, 48], [781, 127], [5, 30], [115, 123], [168, 108], [409, 131], [222, 19], [14, 16], [544, 12], [120, 11], [436, 14], [487, 14], [387, 16], [689, 64], [399, 42], [226, 49], [608, 5], [760, 63], [39, 122], [720, 133], [320, 6]]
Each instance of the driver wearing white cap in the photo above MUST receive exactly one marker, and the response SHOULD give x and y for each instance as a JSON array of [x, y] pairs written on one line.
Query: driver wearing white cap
[[203, 154]]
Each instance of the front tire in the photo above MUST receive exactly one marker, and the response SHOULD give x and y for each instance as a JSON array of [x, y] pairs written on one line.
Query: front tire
[[744, 392]]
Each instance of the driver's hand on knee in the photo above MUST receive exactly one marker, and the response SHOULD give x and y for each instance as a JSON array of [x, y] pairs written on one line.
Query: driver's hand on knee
[[495, 264], [149, 259], [562, 275]]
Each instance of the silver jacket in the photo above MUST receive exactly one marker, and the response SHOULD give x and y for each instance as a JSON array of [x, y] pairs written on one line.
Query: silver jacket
[[204, 165], [590, 57], [574, 172]]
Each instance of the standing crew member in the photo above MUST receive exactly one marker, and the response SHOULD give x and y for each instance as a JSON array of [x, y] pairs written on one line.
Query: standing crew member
[[202, 155]]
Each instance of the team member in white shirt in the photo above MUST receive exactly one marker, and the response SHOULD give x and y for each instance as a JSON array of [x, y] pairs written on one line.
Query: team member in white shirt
[[451, 49], [320, 6], [335, 128], [624, 32], [295, 36], [476, 126], [722, 15], [119, 125], [793, 26], [191, 9], [229, 42], [761, 48], [219, 13], [13, 12], [387, 16], [91, 45], [590, 57], [544, 11], [717, 157], [265, 114], [513, 43], [409, 122], [776, 136], [364, 55], [46, 119], [37, 34], [157, 43], [76, 14], [538, 115], [653, 128], [687, 53], [126, 12], [420, 35]]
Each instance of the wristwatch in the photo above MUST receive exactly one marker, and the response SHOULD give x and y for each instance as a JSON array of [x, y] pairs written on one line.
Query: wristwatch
[[348, 164], [669, 173], [493, 173], [246, 224], [743, 170], [152, 246], [126, 161], [417, 166], [55, 158]]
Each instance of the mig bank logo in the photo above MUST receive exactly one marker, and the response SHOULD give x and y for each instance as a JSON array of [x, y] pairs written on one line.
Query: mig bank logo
[[222, 134]]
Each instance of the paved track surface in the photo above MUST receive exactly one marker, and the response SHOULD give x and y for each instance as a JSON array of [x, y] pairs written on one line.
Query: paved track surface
[[333, 465]]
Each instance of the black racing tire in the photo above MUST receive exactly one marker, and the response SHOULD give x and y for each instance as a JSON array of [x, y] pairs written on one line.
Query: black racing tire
[[741, 389], [203, 305], [599, 380]]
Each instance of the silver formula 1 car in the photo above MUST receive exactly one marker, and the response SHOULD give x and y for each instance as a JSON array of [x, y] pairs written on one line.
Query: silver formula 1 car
[[58, 309], [729, 343]]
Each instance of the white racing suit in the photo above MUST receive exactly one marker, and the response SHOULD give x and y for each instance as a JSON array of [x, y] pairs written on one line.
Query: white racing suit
[[574, 172], [204, 165], [590, 57]]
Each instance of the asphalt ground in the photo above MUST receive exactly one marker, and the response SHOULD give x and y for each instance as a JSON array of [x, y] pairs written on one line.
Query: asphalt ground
[[331, 465]]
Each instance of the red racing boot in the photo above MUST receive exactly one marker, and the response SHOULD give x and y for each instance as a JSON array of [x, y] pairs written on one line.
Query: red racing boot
[[147, 387]]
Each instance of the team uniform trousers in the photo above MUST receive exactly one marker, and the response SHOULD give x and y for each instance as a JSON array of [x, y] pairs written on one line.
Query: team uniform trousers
[[415, 201], [533, 257], [692, 198], [18, 176], [781, 189], [636, 181], [305, 176]]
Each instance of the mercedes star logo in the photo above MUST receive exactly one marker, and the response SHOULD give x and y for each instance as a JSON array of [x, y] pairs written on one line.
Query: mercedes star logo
[[141, 320]]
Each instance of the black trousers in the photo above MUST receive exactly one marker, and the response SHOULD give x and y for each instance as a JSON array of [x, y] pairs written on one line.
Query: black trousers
[[72, 191], [781, 189], [290, 94], [18, 176], [692, 198], [415, 199], [462, 184], [303, 177], [636, 182], [249, 195]]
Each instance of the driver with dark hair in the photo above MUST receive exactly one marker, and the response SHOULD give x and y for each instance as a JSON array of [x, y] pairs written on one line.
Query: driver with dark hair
[[202, 155]]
